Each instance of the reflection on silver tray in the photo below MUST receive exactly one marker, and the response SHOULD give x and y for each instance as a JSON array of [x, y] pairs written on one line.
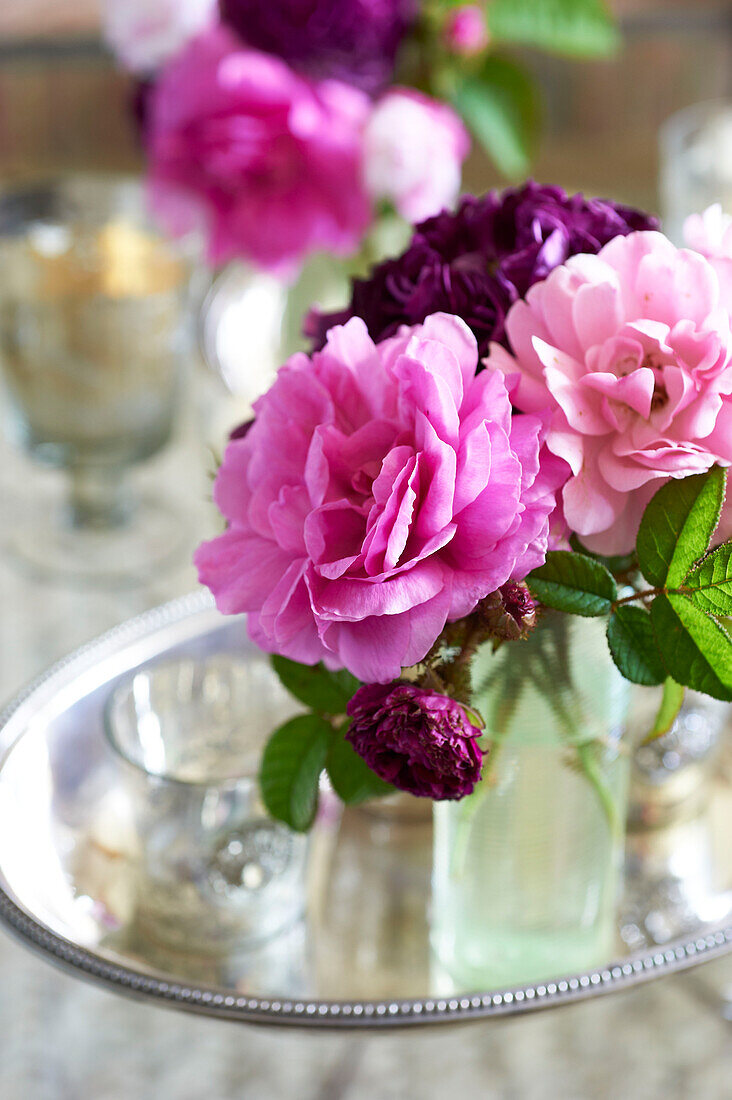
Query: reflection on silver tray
[[361, 956]]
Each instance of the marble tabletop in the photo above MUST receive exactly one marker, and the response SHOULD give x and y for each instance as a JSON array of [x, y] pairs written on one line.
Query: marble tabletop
[[61, 1039]]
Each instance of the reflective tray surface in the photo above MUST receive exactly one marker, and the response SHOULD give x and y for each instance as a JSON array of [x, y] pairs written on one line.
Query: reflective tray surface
[[361, 956]]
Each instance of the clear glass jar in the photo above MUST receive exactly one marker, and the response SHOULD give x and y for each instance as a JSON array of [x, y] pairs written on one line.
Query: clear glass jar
[[526, 869]]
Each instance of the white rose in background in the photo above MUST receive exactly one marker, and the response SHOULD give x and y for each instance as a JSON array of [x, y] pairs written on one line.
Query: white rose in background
[[414, 151], [145, 33]]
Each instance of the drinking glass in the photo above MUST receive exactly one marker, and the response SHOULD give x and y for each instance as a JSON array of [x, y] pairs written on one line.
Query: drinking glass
[[93, 339], [213, 873]]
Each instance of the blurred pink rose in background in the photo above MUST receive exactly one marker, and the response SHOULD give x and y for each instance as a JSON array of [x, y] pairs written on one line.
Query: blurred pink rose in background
[[414, 148], [145, 33], [632, 351], [466, 30], [406, 492], [269, 163]]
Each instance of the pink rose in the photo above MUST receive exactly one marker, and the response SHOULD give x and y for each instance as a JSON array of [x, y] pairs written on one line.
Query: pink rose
[[145, 33], [632, 352], [414, 148], [382, 490], [466, 30], [269, 160]]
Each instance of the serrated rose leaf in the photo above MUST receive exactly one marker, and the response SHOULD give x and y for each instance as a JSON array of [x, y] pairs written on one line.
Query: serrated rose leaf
[[351, 777], [677, 526], [633, 646], [574, 583], [289, 774], [316, 686], [710, 582], [577, 28], [695, 649]]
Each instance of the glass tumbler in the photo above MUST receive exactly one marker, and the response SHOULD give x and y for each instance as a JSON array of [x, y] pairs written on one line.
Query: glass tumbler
[[213, 873], [93, 338]]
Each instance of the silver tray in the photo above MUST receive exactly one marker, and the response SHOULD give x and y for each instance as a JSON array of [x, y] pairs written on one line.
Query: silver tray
[[360, 959]]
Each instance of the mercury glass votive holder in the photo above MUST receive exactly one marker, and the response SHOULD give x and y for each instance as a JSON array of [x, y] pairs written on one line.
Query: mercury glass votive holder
[[94, 338], [213, 873]]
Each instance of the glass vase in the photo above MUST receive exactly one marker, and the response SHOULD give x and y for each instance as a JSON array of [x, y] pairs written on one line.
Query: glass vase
[[527, 868]]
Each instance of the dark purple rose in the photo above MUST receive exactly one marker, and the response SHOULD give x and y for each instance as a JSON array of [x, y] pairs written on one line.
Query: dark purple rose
[[477, 261], [419, 741], [352, 40]]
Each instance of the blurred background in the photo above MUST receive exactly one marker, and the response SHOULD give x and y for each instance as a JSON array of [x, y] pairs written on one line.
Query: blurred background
[[64, 104]]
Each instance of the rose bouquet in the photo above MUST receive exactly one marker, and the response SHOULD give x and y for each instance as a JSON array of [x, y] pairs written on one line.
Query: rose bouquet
[[531, 409], [518, 432], [287, 128]]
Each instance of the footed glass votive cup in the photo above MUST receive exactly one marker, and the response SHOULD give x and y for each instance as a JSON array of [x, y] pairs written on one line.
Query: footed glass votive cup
[[94, 340], [213, 873]]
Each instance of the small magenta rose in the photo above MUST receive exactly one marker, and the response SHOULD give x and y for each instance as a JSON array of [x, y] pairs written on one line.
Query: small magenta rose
[[419, 741], [267, 161], [466, 30]]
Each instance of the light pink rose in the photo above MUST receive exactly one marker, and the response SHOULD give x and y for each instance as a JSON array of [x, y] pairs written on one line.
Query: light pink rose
[[269, 161], [382, 490], [145, 33], [414, 148], [466, 30], [632, 352]]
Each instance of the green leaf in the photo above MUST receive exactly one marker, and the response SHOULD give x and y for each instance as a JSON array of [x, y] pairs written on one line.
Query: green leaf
[[711, 581], [574, 583], [695, 649], [671, 700], [579, 28], [500, 106], [352, 778], [289, 774], [678, 524], [633, 646], [315, 686]]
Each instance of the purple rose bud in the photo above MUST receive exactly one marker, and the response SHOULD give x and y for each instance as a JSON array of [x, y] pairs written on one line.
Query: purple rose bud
[[421, 742], [466, 31], [510, 612]]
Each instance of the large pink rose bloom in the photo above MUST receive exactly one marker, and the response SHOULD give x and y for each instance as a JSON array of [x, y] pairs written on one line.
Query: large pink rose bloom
[[270, 162], [381, 490], [632, 351]]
